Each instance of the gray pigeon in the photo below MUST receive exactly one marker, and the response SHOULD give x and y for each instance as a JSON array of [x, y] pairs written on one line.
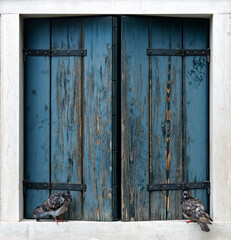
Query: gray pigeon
[[194, 210], [55, 205]]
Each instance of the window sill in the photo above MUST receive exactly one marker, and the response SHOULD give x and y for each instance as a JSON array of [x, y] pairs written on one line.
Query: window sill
[[29, 229]]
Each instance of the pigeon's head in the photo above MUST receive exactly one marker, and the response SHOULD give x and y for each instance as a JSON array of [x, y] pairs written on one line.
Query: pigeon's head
[[67, 197], [185, 194], [67, 193]]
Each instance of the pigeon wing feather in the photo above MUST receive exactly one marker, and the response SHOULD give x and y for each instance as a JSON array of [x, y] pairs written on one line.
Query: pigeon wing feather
[[54, 202], [194, 209]]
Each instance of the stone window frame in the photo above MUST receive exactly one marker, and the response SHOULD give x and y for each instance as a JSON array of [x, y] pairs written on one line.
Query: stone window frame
[[11, 134]]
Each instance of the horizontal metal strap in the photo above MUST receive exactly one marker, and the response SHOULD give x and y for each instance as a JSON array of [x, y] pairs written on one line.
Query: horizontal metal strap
[[54, 186], [178, 186], [178, 52], [54, 53]]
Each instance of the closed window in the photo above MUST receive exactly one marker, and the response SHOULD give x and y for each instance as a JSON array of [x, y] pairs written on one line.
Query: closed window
[[112, 105]]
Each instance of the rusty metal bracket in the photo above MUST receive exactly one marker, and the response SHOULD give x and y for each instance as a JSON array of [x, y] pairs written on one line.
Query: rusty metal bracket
[[179, 186], [53, 186], [54, 53], [178, 52]]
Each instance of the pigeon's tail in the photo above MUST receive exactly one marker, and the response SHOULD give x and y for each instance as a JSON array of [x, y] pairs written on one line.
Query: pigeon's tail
[[38, 210], [209, 219], [204, 227]]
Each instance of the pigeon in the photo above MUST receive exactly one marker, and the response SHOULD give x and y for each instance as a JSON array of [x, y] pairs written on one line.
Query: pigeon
[[54, 206], [194, 210]]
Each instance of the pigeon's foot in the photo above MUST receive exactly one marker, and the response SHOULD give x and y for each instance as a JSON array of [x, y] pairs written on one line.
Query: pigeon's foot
[[63, 220], [56, 220], [190, 221]]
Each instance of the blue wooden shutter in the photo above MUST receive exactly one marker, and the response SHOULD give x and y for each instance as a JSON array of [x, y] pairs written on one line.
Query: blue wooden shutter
[[68, 113], [164, 114]]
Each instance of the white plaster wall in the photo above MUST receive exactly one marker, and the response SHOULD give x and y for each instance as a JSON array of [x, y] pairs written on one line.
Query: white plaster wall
[[115, 6], [0, 119], [220, 113], [11, 120], [10, 117]]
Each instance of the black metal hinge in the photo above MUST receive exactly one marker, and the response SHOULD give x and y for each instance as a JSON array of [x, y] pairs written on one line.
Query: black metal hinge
[[179, 52], [53, 186], [54, 53], [179, 186]]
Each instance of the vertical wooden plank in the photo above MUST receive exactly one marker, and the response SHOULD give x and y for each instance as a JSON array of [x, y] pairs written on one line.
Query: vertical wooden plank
[[195, 36], [166, 118], [98, 118], [37, 108], [66, 141], [134, 118]]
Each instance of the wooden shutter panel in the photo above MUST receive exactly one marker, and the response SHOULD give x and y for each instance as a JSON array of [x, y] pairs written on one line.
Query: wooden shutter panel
[[163, 139], [71, 141]]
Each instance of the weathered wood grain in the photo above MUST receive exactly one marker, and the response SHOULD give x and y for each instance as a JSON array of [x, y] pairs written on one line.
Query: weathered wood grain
[[166, 107], [66, 111], [195, 80], [37, 108], [134, 119], [98, 118]]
